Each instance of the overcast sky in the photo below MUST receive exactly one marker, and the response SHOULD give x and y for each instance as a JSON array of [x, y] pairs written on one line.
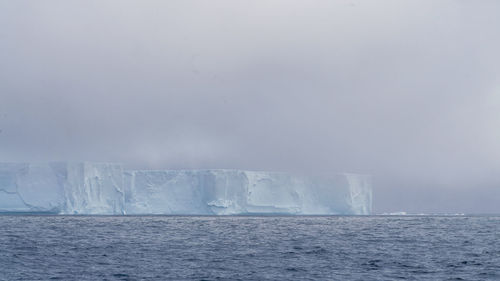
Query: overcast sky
[[407, 91]]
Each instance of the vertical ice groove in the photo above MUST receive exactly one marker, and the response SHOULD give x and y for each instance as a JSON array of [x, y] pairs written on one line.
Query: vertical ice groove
[[361, 193]]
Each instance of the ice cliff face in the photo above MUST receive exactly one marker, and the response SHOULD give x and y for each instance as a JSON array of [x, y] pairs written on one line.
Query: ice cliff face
[[100, 188], [66, 188]]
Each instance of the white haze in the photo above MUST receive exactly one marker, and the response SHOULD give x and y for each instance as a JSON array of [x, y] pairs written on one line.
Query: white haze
[[408, 91]]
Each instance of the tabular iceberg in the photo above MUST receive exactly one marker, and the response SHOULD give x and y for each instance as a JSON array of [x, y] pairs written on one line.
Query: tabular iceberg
[[102, 188]]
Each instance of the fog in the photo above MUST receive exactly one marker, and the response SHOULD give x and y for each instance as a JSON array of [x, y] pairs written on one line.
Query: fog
[[407, 91]]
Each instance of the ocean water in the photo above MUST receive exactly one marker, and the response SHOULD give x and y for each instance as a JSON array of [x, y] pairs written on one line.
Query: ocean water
[[249, 248]]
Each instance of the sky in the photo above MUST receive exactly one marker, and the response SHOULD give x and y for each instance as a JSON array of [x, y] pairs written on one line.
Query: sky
[[406, 91]]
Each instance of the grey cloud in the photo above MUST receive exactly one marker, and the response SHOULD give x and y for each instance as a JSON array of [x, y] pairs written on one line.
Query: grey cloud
[[405, 90]]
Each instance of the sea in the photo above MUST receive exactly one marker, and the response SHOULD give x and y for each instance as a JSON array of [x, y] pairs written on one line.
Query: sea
[[43, 247]]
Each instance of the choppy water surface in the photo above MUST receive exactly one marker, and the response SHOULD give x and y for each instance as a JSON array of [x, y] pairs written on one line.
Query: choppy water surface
[[249, 248]]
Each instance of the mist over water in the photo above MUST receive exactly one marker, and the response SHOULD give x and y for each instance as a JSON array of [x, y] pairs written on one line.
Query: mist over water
[[408, 92]]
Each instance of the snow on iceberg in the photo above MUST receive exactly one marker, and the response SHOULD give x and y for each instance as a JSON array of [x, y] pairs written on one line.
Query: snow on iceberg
[[101, 188]]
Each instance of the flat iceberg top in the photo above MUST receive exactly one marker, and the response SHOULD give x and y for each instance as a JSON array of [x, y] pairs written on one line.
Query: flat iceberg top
[[106, 188]]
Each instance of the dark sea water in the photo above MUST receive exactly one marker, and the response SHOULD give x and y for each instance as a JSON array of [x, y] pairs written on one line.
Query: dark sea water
[[249, 248]]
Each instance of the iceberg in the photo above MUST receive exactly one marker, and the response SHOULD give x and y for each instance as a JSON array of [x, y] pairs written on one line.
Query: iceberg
[[108, 189]]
